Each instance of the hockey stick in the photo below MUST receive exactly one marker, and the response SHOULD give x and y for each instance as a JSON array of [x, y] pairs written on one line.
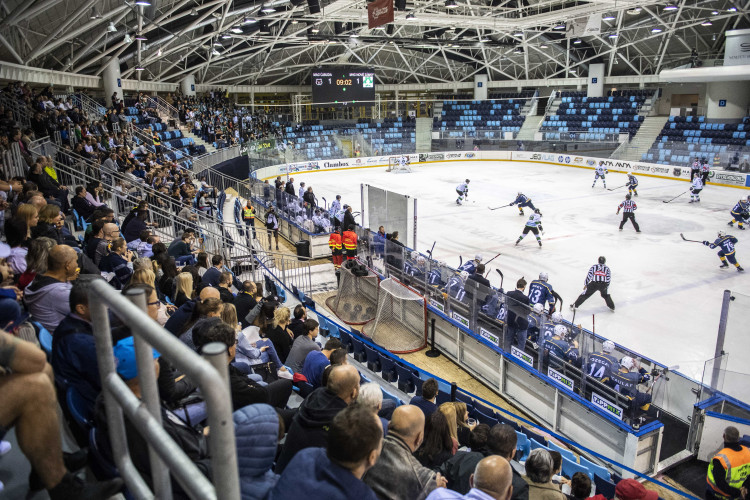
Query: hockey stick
[[460, 261], [498, 207], [325, 203], [618, 187], [501, 277], [691, 241], [493, 258], [429, 252], [667, 201], [557, 297]]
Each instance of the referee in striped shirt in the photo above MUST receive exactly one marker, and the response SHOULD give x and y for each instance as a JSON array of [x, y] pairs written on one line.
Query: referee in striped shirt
[[628, 208], [597, 280]]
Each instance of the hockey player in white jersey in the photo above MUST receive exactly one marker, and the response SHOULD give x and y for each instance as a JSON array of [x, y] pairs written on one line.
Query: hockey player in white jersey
[[463, 191], [534, 225], [403, 161], [696, 186], [471, 266], [599, 172]]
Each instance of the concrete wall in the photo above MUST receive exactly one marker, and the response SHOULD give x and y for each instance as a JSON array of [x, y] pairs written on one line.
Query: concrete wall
[[596, 80], [665, 103], [736, 95]]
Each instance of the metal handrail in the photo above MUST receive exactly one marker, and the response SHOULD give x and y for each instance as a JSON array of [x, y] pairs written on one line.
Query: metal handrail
[[209, 373], [20, 112], [145, 138]]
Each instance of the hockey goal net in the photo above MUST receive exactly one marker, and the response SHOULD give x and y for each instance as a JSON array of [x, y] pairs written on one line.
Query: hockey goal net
[[401, 322], [357, 299], [394, 164]]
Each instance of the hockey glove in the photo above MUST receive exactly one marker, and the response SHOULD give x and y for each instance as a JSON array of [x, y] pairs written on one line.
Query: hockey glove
[[706, 243]]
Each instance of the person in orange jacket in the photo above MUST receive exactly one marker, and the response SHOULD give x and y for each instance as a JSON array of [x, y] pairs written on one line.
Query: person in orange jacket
[[337, 253], [349, 241]]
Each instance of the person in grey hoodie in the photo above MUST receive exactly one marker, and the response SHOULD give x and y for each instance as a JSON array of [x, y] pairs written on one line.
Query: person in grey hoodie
[[46, 297]]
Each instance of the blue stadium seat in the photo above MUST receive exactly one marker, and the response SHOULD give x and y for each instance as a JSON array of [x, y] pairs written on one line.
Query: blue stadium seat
[[566, 453], [346, 341], [305, 388], [359, 350], [442, 397], [406, 378], [79, 409], [604, 487], [569, 468], [534, 444], [373, 359], [596, 469], [523, 446], [387, 368], [533, 435], [45, 338]]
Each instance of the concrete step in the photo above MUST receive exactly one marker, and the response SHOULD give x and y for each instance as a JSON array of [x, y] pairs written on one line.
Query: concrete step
[[647, 134], [529, 128]]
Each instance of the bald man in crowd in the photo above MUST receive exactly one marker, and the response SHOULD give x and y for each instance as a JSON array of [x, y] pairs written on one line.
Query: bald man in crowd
[[187, 314], [47, 296], [311, 424], [398, 474], [492, 480]]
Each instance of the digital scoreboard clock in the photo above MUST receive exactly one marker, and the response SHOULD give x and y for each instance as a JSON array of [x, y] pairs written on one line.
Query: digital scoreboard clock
[[342, 86]]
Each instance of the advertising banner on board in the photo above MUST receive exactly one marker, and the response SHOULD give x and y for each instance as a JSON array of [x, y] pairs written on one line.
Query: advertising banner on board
[[379, 12]]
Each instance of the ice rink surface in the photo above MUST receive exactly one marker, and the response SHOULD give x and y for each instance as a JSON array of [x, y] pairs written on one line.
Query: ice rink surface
[[667, 292]]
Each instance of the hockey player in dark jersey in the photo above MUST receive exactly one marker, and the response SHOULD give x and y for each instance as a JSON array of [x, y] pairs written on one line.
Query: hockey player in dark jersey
[[601, 365], [522, 201], [534, 225], [456, 284], [494, 306], [740, 213], [470, 266], [414, 266], [435, 276], [626, 380], [632, 184], [547, 331], [562, 347], [540, 292], [727, 253]]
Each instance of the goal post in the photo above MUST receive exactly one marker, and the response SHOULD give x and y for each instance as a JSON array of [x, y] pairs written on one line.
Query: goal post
[[394, 164], [357, 297], [400, 324]]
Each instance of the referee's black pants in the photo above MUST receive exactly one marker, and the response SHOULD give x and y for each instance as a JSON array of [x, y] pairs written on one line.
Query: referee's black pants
[[631, 216], [596, 286]]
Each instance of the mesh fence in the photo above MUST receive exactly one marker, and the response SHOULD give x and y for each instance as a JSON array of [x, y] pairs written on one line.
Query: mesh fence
[[357, 299], [401, 322]]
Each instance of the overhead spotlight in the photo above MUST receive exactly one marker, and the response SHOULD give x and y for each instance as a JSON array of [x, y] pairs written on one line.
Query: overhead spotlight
[[215, 52], [670, 6], [634, 11], [707, 23], [450, 4], [713, 37], [608, 17], [612, 35], [714, 12], [226, 36], [577, 41], [111, 28], [139, 68], [543, 46], [379, 28], [484, 39], [193, 11], [560, 26], [518, 50], [158, 53], [314, 29], [236, 30], [267, 9], [249, 20], [732, 9], [656, 30], [294, 21], [127, 38], [143, 3], [410, 17], [217, 44], [518, 34], [140, 37], [354, 35]]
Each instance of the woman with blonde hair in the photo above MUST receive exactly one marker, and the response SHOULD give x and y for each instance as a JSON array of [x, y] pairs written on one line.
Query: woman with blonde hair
[[29, 214], [449, 410], [462, 423], [147, 277], [281, 336], [49, 216], [184, 288], [254, 354]]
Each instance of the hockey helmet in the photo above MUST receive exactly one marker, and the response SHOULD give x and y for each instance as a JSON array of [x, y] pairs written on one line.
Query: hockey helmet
[[537, 211], [345, 206], [602, 260], [338, 196], [478, 257], [627, 196], [630, 174], [520, 193], [543, 277], [557, 317], [414, 254], [608, 346], [721, 234], [561, 331], [627, 362], [538, 308], [467, 181], [420, 260], [464, 275]]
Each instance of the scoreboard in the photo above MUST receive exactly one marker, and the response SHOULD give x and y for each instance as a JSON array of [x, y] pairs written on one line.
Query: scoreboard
[[342, 86]]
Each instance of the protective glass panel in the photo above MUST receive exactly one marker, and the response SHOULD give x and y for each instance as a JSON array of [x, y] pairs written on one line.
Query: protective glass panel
[[388, 209], [736, 346]]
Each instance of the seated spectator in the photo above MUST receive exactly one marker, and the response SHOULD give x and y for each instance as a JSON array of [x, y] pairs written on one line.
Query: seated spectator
[[181, 249], [94, 194], [244, 391], [297, 326], [462, 422], [144, 245], [500, 440], [257, 429], [212, 275], [316, 362], [184, 288], [437, 446], [35, 262], [48, 225], [398, 474], [280, 334], [539, 477], [302, 346], [338, 357], [30, 215], [316, 412], [371, 397], [245, 302], [187, 314], [17, 238], [630, 489], [254, 354], [47, 296], [225, 282], [580, 486], [449, 410], [29, 403], [352, 447], [207, 309], [81, 203], [136, 226], [119, 262], [491, 479], [426, 402]]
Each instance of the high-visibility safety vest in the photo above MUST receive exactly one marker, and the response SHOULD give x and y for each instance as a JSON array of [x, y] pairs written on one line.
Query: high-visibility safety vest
[[248, 213], [156, 140], [349, 240], [736, 465], [334, 242]]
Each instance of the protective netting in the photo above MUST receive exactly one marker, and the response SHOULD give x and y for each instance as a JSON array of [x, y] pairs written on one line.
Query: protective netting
[[401, 322], [357, 299]]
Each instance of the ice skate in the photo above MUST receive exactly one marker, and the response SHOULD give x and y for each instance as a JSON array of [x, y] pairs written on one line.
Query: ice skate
[[739, 269], [723, 265]]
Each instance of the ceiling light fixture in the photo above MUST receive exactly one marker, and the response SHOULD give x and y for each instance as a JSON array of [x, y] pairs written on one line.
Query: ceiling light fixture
[[354, 35], [560, 26], [140, 37], [215, 52], [577, 41], [670, 6], [218, 44], [143, 3], [713, 37], [249, 20], [226, 36], [193, 11], [612, 35], [518, 34], [714, 12], [127, 38], [656, 30], [158, 53], [379, 28], [139, 68], [267, 9], [314, 29], [634, 11], [111, 28], [450, 4], [609, 17], [707, 23], [732, 9], [236, 30], [543, 46]]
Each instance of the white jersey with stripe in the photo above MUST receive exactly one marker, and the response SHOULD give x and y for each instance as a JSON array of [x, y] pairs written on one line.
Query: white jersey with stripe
[[535, 220], [402, 161], [601, 170], [598, 273], [697, 183], [462, 188]]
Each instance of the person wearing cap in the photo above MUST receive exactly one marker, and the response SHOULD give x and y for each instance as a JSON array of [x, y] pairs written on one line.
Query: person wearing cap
[[601, 365], [729, 468], [630, 489]]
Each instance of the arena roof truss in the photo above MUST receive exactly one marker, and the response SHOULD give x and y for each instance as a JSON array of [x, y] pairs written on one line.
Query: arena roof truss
[[278, 42]]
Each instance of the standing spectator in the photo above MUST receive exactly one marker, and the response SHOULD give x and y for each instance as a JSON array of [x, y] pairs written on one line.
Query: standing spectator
[[272, 226], [353, 446], [539, 470], [47, 296], [518, 311], [289, 189], [398, 474], [310, 425], [426, 402], [302, 346]]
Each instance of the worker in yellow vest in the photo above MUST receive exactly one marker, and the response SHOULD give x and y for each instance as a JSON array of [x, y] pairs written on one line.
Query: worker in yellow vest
[[248, 215], [729, 469]]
